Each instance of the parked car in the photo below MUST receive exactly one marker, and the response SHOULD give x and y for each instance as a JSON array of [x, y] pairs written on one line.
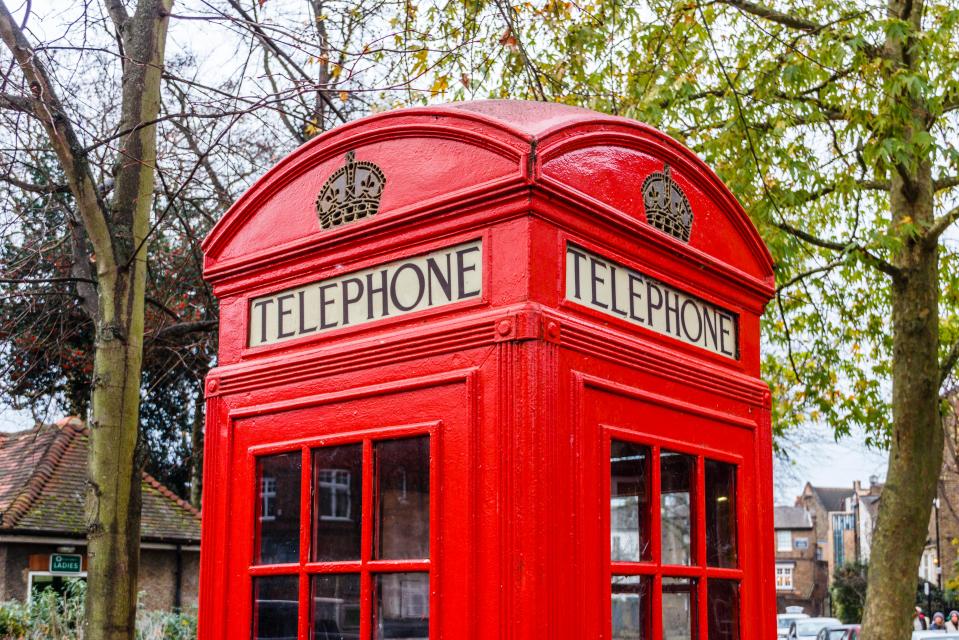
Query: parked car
[[842, 632], [784, 620], [810, 628]]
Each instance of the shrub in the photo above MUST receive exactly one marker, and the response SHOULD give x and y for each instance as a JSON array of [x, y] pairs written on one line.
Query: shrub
[[54, 617], [165, 625], [849, 591], [14, 620]]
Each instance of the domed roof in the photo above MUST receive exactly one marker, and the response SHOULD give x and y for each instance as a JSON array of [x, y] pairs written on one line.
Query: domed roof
[[459, 154]]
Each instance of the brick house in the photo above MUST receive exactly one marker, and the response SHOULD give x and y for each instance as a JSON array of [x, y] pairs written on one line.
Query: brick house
[[801, 575], [42, 530], [833, 513]]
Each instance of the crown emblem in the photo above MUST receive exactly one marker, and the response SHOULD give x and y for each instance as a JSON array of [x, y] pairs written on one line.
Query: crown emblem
[[351, 193], [667, 207]]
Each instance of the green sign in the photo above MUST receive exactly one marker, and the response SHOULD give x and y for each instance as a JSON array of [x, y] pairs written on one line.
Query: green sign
[[65, 563]]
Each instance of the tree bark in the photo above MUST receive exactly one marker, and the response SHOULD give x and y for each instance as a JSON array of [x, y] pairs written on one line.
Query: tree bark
[[113, 496], [915, 458]]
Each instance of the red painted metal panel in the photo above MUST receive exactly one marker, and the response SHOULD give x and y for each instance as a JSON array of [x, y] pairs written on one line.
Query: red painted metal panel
[[520, 389]]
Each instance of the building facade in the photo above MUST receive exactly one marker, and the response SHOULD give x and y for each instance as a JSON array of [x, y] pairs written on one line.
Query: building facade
[[42, 523], [801, 575]]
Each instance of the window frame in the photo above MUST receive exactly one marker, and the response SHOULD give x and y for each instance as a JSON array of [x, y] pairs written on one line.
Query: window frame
[[791, 573], [47, 574], [698, 570], [366, 567], [335, 489], [780, 547], [266, 497]]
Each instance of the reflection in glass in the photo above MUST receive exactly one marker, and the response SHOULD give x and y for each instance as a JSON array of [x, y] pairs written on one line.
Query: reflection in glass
[[720, 514], [337, 473], [722, 604], [401, 606], [336, 607], [675, 506], [275, 607], [278, 508], [679, 609], [629, 502], [631, 610], [403, 517]]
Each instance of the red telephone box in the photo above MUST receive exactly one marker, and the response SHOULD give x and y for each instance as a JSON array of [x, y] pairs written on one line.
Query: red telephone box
[[488, 370]]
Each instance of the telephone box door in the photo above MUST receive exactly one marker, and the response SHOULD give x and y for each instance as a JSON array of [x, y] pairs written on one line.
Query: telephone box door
[[339, 513], [674, 483]]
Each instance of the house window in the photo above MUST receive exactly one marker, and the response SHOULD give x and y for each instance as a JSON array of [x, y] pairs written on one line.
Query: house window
[[784, 577], [673, 543], [334, 486], [784, 540], [40, 581], [365, 523], [267, 495]]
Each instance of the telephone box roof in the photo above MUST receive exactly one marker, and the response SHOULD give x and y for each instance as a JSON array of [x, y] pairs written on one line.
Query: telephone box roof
[[441, 156]]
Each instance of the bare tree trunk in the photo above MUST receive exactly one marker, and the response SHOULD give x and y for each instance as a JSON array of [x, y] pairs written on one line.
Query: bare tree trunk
[[915, 458], [113, 506]]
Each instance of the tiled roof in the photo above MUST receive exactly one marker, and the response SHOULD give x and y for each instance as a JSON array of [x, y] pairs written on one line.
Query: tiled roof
[[42, 487], [791, 518], [833, 498]]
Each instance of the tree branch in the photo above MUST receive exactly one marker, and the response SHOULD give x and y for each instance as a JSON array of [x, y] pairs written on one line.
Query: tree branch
[[946, 182], [805, 274], [18, 103], [269, 43], [849, 247], [940, 224], [785, 19], [34, 188], [185, 328], [49, 111], [118, 13], [948, 363]]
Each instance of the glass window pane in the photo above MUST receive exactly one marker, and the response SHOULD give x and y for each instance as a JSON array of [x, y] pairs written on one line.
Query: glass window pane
[[276, 605], [278, 508], [337, 477], [629, 502], [631, 607], [679, 609], [722, 603], [676, 506], [401, 606], [403, 518], [720, 514], [336, 607]]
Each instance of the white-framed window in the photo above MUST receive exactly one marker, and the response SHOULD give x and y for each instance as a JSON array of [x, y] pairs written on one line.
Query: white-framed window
[[784, 540], [784, 577], [268, 496], [335, 498], [40, 580]]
